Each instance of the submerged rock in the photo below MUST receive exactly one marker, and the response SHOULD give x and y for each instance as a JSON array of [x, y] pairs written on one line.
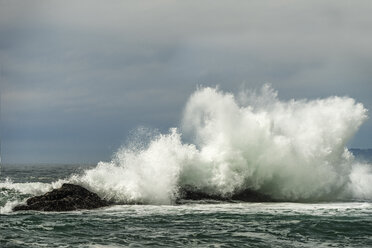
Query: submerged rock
[[67, 198]]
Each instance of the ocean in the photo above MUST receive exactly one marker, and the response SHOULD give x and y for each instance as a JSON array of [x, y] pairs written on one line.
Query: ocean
[[193, 224], [293, 151]]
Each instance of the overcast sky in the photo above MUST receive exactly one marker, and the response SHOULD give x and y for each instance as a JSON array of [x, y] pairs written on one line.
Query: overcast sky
[[79, 76]]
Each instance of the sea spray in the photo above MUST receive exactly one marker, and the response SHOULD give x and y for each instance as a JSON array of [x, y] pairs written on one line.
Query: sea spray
[[293, 150], [360, 184], [290, 150], [142, 175], [12, 194]]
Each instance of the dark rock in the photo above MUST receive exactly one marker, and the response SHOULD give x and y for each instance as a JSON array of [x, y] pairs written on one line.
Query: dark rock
[[247, 195], [67, 198], [196, 195]]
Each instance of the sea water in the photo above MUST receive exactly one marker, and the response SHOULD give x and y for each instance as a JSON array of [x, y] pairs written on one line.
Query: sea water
[[195, 223], [293, 151]]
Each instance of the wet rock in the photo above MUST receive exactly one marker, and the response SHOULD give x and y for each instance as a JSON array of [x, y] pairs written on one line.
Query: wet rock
[[67, 198], [247, 195]]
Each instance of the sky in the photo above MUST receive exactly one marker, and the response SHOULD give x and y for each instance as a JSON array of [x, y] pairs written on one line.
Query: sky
[[77, 77]]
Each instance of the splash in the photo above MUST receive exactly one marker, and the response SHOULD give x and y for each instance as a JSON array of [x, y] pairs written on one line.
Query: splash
[[12, 194], [290, 150]]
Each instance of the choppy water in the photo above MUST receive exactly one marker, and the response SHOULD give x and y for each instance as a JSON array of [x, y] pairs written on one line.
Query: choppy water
[[193, 224]]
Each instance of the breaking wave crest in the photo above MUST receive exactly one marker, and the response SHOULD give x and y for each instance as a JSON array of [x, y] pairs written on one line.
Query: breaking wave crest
[[289, 150]]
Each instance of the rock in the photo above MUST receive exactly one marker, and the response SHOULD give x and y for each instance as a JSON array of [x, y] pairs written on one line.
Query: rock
[[247, 195], [67, 198], [196, 195]]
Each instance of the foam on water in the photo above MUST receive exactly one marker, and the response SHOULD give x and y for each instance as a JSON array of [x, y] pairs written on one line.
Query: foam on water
[[291, 150], [9, 192], [35, 188]]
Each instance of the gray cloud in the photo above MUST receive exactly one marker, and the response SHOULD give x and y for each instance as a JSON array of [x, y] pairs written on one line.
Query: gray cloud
[[79, 75]]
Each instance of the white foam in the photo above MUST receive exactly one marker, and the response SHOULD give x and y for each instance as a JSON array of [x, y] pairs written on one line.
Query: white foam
[[35, 188], [360, 184], [292, 150], [8, 207]]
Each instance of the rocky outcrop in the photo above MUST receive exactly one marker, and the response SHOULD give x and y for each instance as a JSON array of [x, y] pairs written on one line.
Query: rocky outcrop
[[72, 197], [67, 198]]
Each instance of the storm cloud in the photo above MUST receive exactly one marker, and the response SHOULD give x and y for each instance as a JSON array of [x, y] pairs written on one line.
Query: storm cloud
[[79, 76]]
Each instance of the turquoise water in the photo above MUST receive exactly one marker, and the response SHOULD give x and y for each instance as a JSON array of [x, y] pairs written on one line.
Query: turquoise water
[[194, 224]]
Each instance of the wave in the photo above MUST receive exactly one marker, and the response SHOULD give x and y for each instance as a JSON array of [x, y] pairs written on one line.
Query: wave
[[289, 150]]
